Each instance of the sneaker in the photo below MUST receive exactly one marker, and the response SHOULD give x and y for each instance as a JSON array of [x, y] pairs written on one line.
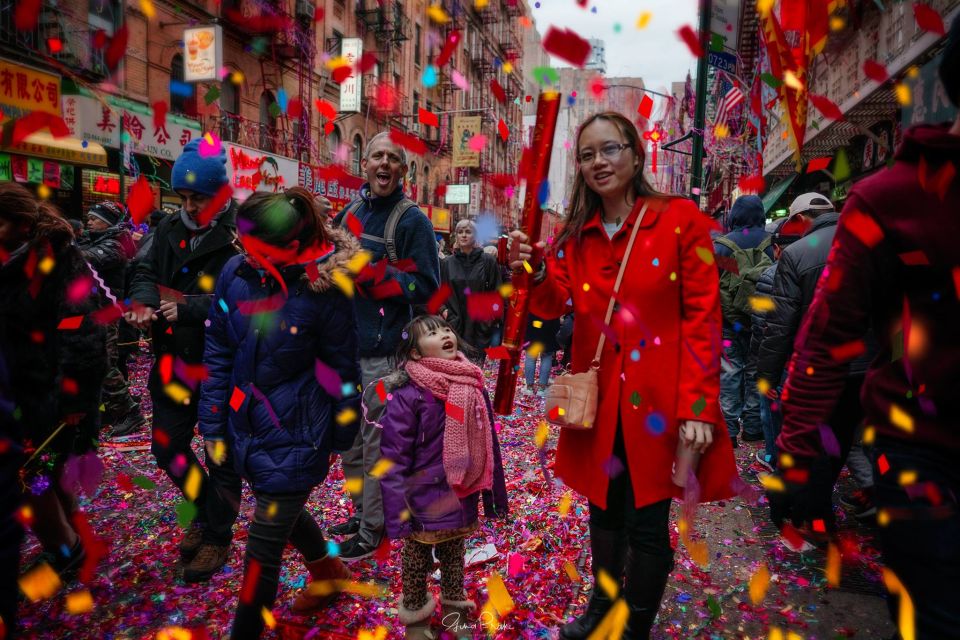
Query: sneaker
[[751, 437], [764, 460], [861, 503], [210, 558], [190, 544], [346, 528], [353, 550], [127, 425]]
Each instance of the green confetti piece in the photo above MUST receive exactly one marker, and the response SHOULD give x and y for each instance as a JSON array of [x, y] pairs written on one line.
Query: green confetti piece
[[716, 42], [186, 512], [897, 347], [635, 398], [773, 81], [275, 111], [144, 482], [841, 166], [546, 75], [699, 406], [212, 94], [714, 606]]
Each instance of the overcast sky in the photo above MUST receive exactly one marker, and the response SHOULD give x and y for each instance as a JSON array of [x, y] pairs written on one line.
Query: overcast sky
[[654, 53]]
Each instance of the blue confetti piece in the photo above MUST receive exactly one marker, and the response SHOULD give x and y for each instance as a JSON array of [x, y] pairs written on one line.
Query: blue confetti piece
[[429, 77], [347, 389], [571, 101], [635, 355], [487, 227], [544, 192], [282, 99], [656, 262], [656, 423], [182, 89], [223, 305], [333, 549]]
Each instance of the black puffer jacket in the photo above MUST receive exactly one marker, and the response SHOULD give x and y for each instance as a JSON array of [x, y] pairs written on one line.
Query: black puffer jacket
[[105, 253], [470, 273], [170, 263], [758, 319], [52, 353], [794, 284]]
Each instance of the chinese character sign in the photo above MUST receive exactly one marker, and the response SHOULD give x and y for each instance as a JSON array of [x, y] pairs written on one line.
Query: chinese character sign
[[350, 89], [204, 53], [464, 128], [24, 89]]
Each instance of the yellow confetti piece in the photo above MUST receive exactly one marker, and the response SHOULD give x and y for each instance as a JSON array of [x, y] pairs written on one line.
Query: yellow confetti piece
[[499, 596], [907, 478], [613, 624], [907, 623], [346, 416], [705, 254], [336, 63], [174, 633], [436, 13], [608, 584], [764, 7], [46, 265], [571, 571], [644, 19], [913, 72], [404, 515], [883, 517], [343, 282], [673, 276], [219, 453], [40, 583], [380, 633], [177, 392], [564, 507], [268, 618], [44, 192], [206, 282], [481, 4], [586, 286], [786, 460], [148, 10], [791, 80], [901, 419], [699, 553], [236, 77], [358, 262], [381, 467], [537, 323], [527, 267], [191, 487], [763, 386], [759, 583], [775, 634], [869, 435], [535, 349], [762, 304], [902, 92], [721, 131], [683, 527], [793, 635], [837, 23], [353, 486], [507, 67], [771, 482], [272, 510], [506, 290], [79, 602], [833, 565], [541, 436], [489, 618]]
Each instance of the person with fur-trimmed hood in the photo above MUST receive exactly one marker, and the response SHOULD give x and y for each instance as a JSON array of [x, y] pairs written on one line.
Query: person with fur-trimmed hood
[[282, 354]]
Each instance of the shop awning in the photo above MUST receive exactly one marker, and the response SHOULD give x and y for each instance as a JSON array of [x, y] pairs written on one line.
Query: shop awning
[[777, 190], [69, 150]]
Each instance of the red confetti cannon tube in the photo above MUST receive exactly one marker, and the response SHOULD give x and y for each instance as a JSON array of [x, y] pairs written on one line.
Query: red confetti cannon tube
[[518, 306]]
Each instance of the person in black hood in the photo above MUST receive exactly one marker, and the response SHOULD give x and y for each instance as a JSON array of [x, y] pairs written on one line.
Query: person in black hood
[[103, 247], [470, 270]]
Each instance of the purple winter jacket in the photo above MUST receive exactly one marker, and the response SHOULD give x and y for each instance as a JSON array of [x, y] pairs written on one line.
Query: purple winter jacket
[[412, 439]]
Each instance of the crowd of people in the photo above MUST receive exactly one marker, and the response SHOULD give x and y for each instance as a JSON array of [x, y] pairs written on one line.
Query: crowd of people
[[288, 337]]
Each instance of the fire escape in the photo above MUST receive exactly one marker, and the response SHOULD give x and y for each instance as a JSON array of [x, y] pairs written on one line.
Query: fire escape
[[390, 27]]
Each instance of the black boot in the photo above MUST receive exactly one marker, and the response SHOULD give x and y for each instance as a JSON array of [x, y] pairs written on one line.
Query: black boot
[[609, 550], [645, 583]]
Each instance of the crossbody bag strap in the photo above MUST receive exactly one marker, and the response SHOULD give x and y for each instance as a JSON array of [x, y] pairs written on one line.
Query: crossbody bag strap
[[616, 286]]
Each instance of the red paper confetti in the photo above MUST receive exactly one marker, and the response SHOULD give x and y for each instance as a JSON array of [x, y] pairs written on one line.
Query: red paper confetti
[[438, 298], [503, 130], [381, 390], [411, 143], [107, 315], [956, 281], [938, 182], [454, 412], [485, 306], [818, 164], [326, 109], [166, 368], [428, 118], [340, 74], [863, 227], [848, 351], [827, 107], [237, 398], [752, 184], [598, 87], [215, 205], [498, 353], [914, 259], [117, 48], [250, 579], [95, 548], [387, 289], [875, 71], [70, 324], [792, 536], [449, 47], [159, 114], [498, 91], [294, 108], [36, 120], [883, 465], [928, 19], [690, 38], [54, 45], [26, 14], [819, 526], [366, 62], [567, 45], [69, 386], [140, 200], [646, 106]]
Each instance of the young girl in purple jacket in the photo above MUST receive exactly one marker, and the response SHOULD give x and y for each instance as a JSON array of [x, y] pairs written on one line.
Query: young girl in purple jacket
[[438, 433]]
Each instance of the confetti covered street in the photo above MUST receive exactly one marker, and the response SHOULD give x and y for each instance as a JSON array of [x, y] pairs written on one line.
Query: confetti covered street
[[138, 589]]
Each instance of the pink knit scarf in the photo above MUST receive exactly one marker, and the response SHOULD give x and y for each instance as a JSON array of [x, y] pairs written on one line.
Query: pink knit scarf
[[468, 432]]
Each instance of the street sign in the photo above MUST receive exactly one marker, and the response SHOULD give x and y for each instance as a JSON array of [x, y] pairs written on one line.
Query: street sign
[[457, 194], [723, 61]]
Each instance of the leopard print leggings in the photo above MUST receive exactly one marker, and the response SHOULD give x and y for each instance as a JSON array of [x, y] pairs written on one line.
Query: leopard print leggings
[[418, 564]]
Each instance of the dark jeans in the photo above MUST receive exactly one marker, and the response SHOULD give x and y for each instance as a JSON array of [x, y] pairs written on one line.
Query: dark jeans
[[218, 500], [739, 398], [268, 535], [116, 398], [921, 543], [771, 418], [647, 527], [128, 345]]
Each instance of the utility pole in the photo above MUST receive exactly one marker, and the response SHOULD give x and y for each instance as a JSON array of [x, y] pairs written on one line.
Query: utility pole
[[701, 113]]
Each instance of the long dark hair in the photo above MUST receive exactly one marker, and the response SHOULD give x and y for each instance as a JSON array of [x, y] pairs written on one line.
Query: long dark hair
[[584, 201], [280, 218], [42, 219], [418, 327]]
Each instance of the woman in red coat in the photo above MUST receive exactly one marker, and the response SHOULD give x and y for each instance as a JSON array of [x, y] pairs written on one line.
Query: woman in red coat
[[659, 370]]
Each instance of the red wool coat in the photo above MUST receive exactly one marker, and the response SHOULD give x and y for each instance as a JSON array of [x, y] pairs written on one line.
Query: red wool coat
[[663, 366]]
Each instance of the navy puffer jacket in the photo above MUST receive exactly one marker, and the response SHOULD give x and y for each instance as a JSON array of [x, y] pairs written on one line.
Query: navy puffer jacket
[[278, 370]]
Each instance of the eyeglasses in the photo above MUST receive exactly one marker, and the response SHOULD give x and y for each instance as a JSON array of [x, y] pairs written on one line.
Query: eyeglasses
[[610, 151]]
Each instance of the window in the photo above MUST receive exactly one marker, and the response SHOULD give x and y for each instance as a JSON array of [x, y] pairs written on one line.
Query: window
[[427, 190], [413, 173], [416, 103], [229, 110], [182, 94], [332, 145], [428, 130], [268, 122], [417, 36], [335, 43], [357, 154]]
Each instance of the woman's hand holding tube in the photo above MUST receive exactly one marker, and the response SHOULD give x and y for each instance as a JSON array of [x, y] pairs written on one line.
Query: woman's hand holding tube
[[696, 435]]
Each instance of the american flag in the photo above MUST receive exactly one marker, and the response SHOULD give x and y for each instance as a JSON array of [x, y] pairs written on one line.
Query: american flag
[[727, 103]]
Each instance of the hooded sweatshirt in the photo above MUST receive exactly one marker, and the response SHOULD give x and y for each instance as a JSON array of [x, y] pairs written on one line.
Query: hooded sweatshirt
[[894, 264], [747, 221]]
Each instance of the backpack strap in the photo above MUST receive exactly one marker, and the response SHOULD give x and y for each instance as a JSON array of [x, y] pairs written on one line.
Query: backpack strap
[[766, 242], [390, 229], [728, 243], [350, 210]]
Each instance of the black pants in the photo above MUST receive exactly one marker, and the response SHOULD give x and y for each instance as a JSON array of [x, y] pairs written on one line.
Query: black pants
[[128, 345], [277, 519], [11, 536], [218, 501], [646, 528], [921, 543]]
